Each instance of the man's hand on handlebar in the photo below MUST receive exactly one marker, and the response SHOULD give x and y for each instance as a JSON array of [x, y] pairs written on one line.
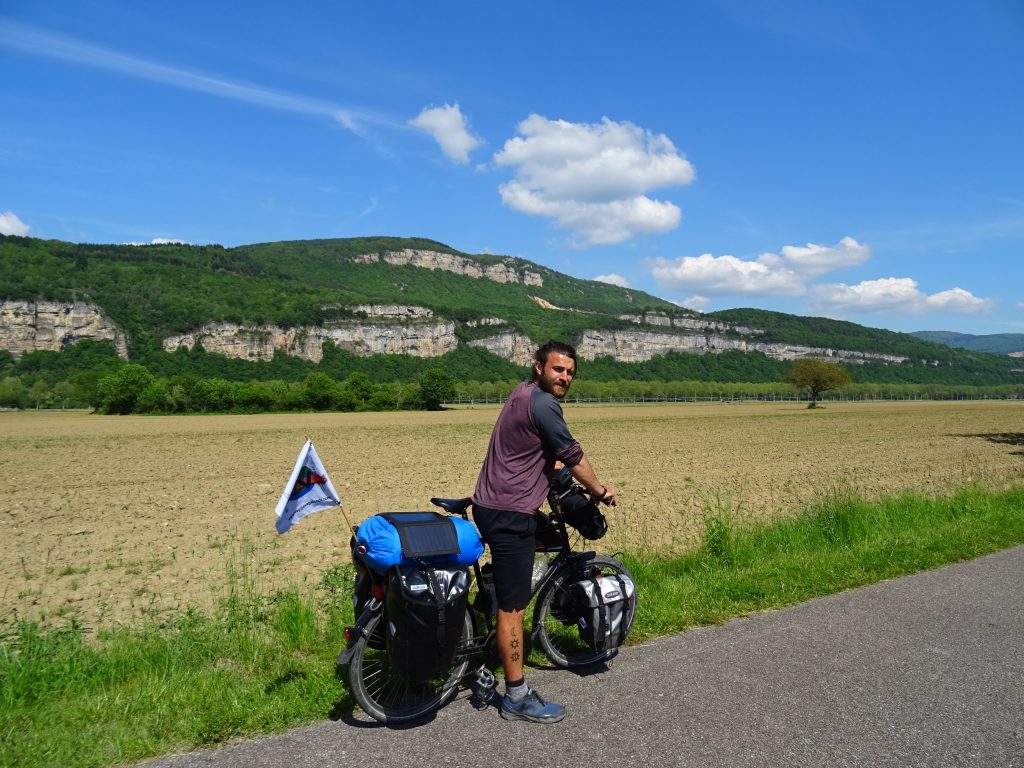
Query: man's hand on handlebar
[[584, 475], [605, 496]]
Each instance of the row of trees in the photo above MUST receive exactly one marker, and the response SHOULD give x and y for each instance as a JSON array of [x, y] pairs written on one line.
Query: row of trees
[[101, 381], [133, 389]]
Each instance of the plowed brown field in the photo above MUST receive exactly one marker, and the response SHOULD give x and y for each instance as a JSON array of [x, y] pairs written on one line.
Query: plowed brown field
[[113, 518]]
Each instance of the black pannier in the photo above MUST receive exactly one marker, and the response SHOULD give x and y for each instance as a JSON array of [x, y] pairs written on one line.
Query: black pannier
[[602, 606], [424, 614]]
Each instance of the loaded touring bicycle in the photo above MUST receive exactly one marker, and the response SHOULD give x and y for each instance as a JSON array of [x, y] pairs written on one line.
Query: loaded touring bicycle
[[424, 606]]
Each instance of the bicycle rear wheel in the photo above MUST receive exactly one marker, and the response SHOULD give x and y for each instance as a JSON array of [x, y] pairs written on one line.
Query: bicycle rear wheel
[[388, 697], [555, 620]]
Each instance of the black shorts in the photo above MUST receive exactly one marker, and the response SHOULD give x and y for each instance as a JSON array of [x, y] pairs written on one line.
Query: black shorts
[[512, 541]]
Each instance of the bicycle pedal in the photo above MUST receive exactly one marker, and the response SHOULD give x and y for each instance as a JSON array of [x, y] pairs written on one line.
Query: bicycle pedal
[[485, 679]]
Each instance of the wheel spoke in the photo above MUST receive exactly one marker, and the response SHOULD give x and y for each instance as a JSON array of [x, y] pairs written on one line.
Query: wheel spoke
[[387, 696]]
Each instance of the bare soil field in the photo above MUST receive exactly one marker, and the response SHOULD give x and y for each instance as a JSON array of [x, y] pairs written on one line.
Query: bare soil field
[[112, 519]]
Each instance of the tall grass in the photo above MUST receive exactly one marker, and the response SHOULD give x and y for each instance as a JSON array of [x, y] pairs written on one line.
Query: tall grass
[[258, 664], [840, 542]]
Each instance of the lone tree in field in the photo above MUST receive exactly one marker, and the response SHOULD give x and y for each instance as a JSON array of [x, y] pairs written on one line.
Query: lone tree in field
[[816, 376], [436, 386]]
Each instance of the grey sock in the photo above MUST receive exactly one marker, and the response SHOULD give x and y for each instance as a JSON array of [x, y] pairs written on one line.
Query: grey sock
[[516, 693]]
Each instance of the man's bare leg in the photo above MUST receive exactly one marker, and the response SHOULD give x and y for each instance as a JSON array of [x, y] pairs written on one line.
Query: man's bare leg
[[511, 645]]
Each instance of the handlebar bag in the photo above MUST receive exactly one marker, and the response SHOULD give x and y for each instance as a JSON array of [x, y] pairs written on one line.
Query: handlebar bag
[[404, 538], [581, 514], [424, 613], [602, 605]]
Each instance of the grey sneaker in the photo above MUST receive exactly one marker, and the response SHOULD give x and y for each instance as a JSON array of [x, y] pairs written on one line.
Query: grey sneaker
[[532, 708]]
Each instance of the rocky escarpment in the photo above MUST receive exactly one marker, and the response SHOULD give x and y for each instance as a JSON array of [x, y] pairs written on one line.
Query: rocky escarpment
[[660, 319], [511, 345], [629, 346], [260, 342], [29, 326], [504, 271], [394, 329]]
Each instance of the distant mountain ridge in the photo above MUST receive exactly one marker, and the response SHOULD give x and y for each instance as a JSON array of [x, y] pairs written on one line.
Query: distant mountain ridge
[[414, 299], [992, 343]]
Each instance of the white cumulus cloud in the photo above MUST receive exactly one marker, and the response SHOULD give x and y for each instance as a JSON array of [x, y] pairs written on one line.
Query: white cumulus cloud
[[593, 178], [10, 224], [771, 274], [613, 279], [720, 275], [895, 294], [813, 260], [447, 125]]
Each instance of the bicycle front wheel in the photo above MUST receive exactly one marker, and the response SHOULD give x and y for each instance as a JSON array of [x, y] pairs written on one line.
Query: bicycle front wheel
[[388, 697], [555, 618]]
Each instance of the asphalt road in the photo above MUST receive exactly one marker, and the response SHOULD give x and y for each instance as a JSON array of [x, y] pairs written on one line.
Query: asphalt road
[[922, 671]]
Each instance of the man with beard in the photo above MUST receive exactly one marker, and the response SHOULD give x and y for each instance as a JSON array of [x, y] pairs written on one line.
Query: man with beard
[[529, 439]]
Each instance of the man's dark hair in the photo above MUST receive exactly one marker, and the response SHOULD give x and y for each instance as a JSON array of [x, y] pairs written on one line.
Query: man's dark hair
[[558, 347]]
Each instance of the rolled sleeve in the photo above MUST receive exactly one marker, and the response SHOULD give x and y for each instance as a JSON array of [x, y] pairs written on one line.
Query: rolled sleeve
[[572, 455]]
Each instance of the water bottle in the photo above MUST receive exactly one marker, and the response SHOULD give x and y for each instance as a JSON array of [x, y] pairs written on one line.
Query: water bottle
[[540, 567], [487, 598]]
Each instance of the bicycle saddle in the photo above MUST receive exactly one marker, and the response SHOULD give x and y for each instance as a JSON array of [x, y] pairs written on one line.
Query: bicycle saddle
[[453, 506]]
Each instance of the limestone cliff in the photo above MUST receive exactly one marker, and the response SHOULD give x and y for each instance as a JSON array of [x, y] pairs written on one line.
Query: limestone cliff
[[629, 346], [690, 323], [511, 345], [419, 338], [395, 329], [28, 326], [505, 271]]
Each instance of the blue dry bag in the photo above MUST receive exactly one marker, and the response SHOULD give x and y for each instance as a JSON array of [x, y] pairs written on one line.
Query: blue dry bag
[[404, 538]]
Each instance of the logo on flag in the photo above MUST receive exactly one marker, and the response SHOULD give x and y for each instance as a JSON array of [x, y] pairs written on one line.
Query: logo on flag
[[308, 490], [306, 482]]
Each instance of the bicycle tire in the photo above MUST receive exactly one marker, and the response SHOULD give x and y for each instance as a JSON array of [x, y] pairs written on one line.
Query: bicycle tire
[[555, 627], [389, 698]]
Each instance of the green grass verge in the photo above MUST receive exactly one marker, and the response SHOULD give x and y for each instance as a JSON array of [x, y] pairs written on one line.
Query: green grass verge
[[839, 543], [261, 664]]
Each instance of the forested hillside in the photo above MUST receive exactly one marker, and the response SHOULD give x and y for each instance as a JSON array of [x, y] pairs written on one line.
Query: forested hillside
[[154, 292]]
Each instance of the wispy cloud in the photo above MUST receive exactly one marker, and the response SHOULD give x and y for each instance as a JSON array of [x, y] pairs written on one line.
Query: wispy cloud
[[49, 45], [613, 279], [163, 241], [699, 303]]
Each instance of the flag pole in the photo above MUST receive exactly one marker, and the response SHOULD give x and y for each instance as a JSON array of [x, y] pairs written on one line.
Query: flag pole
[[350, 528]]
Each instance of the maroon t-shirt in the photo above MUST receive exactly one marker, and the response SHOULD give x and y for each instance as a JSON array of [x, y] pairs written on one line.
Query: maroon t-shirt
[[529, 436]]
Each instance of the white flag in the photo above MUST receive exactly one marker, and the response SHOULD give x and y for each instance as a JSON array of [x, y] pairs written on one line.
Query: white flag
[[309, 490]]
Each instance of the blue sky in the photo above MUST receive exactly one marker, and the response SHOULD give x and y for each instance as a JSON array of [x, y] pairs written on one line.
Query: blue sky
[[858, 160]]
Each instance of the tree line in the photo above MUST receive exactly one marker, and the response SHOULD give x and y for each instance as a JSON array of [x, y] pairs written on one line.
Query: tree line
[[114, 387]]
